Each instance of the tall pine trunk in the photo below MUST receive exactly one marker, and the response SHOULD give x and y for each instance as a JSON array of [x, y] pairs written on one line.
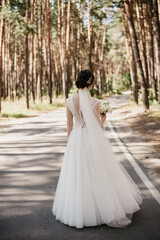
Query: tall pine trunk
[[151, 59], [89, 37], [79, 38], [128, 8], [67, 60], [49, 30], [27, 58], [4, 64], [1, 44], [142, 40], [40, 46], [63, 50], [131, 60], [32, 55], [157, 37]]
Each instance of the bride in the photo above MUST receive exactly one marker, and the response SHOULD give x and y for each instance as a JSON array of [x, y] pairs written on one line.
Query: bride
[[93, 188]]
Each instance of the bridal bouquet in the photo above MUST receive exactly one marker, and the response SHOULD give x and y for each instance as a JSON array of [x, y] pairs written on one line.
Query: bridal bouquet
[[105, 107]]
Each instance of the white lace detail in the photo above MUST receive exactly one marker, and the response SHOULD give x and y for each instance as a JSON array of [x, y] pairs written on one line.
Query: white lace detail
[[78, 116]]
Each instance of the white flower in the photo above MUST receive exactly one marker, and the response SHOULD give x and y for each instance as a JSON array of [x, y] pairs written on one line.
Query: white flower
[[105, 107]]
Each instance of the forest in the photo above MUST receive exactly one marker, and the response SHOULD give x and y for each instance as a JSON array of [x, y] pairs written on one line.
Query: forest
[[44, 44]]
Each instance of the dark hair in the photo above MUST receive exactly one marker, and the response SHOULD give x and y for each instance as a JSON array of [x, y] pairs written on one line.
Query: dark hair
[[85, 79]]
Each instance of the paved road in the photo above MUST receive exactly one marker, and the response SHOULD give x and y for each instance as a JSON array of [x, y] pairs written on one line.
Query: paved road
[[31, 155]]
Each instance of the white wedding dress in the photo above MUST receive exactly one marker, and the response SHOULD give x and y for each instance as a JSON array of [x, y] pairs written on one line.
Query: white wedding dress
[[93, 188]]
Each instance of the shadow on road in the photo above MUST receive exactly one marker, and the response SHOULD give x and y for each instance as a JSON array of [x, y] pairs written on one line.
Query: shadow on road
[[31, 156]]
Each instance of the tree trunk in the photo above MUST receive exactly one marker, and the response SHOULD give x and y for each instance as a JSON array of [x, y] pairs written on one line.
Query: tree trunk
[[157, 37], [131, 60], [98, 68], [27, 59], [89, 37], [96, 60], [15, 69], [35, 44], [49, 20], [151, 50], [68, 48], [1, 44], [142, 40], [40, 46], [106, 68], [4, 65], [128, 8], [159, 9], [33, 54], [6, 62], [63, 41], [79, 38]]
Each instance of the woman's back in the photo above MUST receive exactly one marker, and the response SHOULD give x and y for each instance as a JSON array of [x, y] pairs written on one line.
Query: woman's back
[[74, 106]]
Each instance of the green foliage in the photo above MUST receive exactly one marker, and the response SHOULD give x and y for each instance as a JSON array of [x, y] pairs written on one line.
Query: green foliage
[[119, 84], [126, 78], [98, 10], [43, 106], [14, 115], [152, 101], [140, 96], [17, 22], [45, 91], [73, 90], [54, 7], [94, 92]]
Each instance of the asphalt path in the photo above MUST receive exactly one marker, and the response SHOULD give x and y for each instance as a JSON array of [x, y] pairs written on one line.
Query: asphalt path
[[31, 155]]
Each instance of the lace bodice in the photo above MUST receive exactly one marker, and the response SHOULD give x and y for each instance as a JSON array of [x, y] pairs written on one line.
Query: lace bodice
[[77, 114]]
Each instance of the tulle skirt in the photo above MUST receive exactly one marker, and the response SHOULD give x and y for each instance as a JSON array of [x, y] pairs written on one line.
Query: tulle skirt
[[93, 188]]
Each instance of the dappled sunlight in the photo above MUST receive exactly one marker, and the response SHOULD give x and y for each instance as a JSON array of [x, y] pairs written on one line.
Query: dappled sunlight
[[25, 179], [12, 211], [132, 129], [30, 164], [30, 161]]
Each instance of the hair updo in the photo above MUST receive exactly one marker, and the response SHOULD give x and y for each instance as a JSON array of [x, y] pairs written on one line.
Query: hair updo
[[85, 79]]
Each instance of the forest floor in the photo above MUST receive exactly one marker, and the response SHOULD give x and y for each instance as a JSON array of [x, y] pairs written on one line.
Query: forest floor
[[147, 123]]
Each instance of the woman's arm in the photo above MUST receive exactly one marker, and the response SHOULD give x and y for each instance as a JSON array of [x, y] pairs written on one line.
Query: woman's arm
[[102, 118], [69, 121]]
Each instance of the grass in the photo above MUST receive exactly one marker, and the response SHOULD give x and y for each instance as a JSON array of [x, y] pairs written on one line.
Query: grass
[[14, 115], [153, 114], [18, 109], [43, 107], [132, 104]]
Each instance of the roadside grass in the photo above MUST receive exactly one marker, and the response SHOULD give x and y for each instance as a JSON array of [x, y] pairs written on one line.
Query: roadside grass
[[13, 115], [18, 109], [151, 116], [153, 113], [43, 106]]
